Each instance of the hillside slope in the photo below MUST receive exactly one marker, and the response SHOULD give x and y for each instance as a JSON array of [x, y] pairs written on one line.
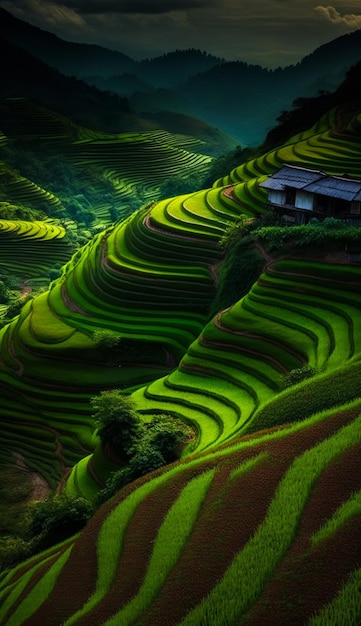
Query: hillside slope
[[109, 174], [243, 535], [259, 521]]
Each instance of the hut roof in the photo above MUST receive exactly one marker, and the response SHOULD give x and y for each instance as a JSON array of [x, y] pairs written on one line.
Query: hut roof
[[314, 181], [336, 187]]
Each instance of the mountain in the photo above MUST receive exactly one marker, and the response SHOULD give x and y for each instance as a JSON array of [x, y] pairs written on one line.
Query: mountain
[[176, 67], [238, 105], [241, 88], [183, 81], [307, 110], [162, 73], [93, 62], [29, 77], [194, 307], [68, 57]]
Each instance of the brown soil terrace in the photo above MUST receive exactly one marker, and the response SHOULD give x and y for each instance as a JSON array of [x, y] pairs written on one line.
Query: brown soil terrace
[[219, 324], [225, 527], [80, 571], [325, 568], [70, 304], [228, 518]]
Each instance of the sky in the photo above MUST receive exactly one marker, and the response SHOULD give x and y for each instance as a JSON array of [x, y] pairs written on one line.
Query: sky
[[269, 33]]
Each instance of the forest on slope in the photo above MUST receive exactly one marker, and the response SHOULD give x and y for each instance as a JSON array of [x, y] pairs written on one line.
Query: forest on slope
[[257, 348]]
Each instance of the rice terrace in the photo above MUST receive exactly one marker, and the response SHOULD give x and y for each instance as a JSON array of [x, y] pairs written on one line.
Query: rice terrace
[[180, 401]]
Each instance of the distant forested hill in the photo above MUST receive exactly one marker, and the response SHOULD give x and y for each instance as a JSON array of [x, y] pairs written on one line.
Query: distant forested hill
[[28, 76], [226, 95], [68, 57]]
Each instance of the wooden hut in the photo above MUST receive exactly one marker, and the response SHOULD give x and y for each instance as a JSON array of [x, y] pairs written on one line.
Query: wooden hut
[[296, 194]]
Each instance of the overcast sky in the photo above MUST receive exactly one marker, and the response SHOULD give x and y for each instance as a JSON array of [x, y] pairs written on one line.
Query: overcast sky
[[266, 32]]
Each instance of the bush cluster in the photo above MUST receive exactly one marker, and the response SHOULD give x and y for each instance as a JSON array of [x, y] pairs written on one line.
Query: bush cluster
[[328, 232], [44, 524], [298, 375], [142, 447]]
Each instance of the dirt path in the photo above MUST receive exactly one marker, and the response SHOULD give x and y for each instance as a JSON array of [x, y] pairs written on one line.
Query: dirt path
[[25, 289], [41, 488]]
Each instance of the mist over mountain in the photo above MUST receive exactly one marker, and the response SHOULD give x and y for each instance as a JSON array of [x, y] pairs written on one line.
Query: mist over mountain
[[30, 77], [69, 57], [238, 104], [107, 111], [227, 95]]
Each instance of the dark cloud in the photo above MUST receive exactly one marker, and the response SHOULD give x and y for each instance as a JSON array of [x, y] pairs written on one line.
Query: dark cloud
[[266, 32], [156, 7], [349, 20]]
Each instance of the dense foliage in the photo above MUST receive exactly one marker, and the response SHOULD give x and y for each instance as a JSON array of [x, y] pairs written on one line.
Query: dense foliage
[[306, 111], [327, 234], [55, 173], [240, 269], [116, 420]]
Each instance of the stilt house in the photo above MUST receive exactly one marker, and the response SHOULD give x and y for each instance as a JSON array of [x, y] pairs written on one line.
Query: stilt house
[[295, 194]]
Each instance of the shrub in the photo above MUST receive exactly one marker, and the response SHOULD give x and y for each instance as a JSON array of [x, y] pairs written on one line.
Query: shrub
[[116, 420], [56, 518], [54, 273], [16, 304], [298, 375], [235, 231], [323, 234], [164, 435], [106, 339], [146, 459], [238, 272], [116, 481], [13, 550], [332, 222]]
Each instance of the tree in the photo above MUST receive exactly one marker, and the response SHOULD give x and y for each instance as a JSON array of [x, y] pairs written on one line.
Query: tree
[[164, 435], [106, 339], [109, 342], [147, 447], [140, 447], [56, 518], [117, 421]]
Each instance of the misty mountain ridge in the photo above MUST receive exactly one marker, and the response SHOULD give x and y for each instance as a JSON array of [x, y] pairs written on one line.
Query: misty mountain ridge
[[68, 57], [227, 95]]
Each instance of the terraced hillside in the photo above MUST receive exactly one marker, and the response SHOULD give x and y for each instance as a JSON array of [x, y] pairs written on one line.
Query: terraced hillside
[[332, 145], [259, 521], [241, 535], [19, 190], [30, 249], [127, 162]]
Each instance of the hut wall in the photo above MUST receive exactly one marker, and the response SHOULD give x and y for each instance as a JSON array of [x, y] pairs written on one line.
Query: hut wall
[[304, 200]]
